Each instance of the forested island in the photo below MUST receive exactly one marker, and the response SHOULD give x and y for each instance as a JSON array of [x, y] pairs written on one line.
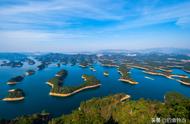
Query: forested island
[[113, 110], [15, 95], [83, 64], [125, 76], [106, 73], [185, 81], [57, 80], [59, 90], [41, 66], [12, 64], [15, 80], [92, 69]]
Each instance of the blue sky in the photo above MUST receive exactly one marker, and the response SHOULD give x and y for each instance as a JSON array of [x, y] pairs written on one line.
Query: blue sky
[[88, 25]]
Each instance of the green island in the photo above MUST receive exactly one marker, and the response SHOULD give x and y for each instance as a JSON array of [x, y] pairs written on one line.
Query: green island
[[125, 76], [116, 109], [107, 63], [15, 95], [83, 64], [183, 78], [62, 73], [15, 80], [63, 91], [185, 81], [57, 80], [92, 69], [41, 66], [106, 73], [30, 72], [58, 64], [153, 64]]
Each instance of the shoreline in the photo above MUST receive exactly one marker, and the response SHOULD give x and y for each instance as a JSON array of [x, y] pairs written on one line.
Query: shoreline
[[74, 92], [180, 76], [108, 65], [83, 66], [175, 66], [158, 74], [161, 69], [187, 71], [57, 75], [50, 84], [170, 77], [139, 67], [92, 69], [128, 81], [106, 74], [125, 98], [182, 82], [11, 83], [83, 77], [13, 99]]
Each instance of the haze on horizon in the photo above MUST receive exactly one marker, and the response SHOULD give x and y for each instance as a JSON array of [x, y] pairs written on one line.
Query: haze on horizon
[[86, 25]]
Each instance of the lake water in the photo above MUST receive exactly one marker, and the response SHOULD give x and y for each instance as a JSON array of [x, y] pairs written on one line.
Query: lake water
[[36, 90]]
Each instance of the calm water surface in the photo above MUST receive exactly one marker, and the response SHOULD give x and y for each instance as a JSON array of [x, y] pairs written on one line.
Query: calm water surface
[[36, 90]]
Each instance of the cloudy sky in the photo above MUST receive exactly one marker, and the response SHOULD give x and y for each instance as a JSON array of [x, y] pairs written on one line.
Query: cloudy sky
[[87, 25]]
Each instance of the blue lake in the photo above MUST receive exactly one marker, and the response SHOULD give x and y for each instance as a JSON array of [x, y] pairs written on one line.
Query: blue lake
[[37, 91]]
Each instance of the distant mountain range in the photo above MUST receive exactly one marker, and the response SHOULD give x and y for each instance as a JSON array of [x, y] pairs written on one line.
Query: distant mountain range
[[151, 50], [110, 51]]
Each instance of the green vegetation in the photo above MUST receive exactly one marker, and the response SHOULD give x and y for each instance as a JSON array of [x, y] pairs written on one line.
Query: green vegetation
[[39, 118], [41, 66], [125, 74], [187, 80], [62, 73], [186, 68], [89, 81], [13, 64], [106, 62], [110, 110], [106, 73], [84, 64], [58, 79], [15, 93], [16, 79], [55, 80]]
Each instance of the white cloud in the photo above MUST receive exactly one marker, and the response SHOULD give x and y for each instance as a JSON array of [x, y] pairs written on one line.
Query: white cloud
[[37, 40], [157, 16], [39, 23], [184, 21], [76, 8]]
